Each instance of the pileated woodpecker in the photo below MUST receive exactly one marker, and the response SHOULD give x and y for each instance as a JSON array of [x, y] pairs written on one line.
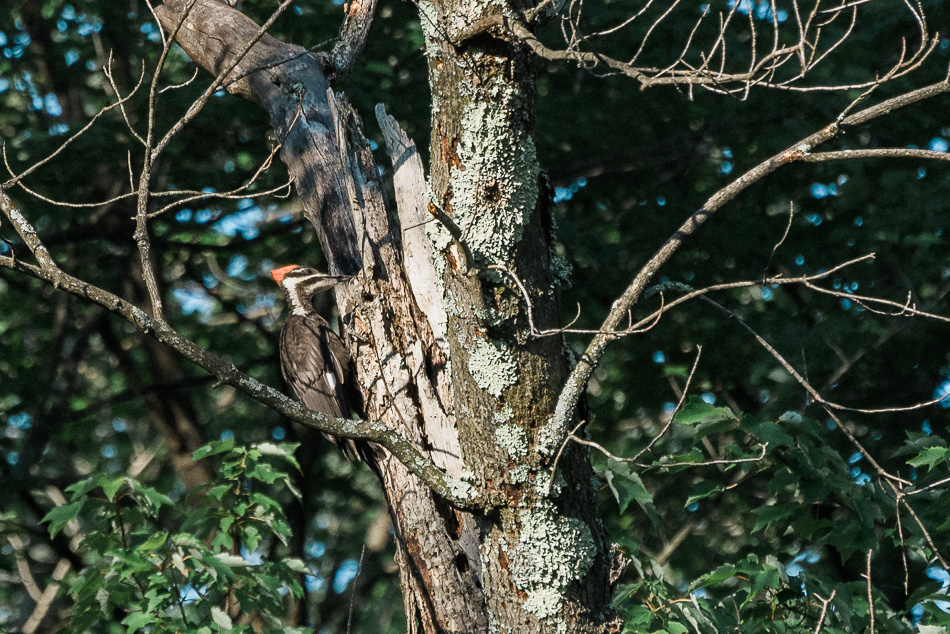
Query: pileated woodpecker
[[313, 358]]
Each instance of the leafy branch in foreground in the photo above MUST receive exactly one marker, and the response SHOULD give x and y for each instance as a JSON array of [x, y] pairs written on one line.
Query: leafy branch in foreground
[[843, 515], [202, 573]]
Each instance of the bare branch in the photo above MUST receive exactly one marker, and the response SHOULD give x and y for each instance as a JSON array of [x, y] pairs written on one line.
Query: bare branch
[[813, 43], [763, 448], [456, 491], [824, 610], [352, 38], [580, 375]]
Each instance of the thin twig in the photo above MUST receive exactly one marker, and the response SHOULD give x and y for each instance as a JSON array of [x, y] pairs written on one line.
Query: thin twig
[[679, 404], [824, 610]]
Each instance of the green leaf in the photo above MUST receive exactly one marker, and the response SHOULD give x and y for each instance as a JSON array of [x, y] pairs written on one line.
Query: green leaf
[[83, 487], [929, 457], [626, 485], [232, 561], [703, 490], [699, 411], [220, 617], [720, 574], [154, 497], [61, 515], [136, 621], [213, 448], [155, 541], [297, 565], [251, 537], [280, 450], [766, 515], [111, 486]]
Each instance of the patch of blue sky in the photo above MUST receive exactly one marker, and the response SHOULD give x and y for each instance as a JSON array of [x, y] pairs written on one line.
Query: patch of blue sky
[[193, 299], [69, 12], [227, 434], [88, 28], [709, 398], [3, 39], [253, 558], [150, 31], [52, 106], [72, 56], [925, 427], [800, 259], [942, 577], [20, 421], [938, 144], [807, 556], [566, 193], [855, 457], [278, 433], [237, 265], [246, 222], [315, 549], [820, 190], [659, 357], [813, 219], [345, 574], [314, 583], [4, 84], [943, 392], [203, 215]]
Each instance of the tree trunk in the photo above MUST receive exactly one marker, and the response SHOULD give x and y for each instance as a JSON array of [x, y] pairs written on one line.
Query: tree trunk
[[444, 351]]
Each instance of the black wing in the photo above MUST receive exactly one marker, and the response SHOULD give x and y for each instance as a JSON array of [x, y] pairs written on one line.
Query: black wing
[[316, 364]]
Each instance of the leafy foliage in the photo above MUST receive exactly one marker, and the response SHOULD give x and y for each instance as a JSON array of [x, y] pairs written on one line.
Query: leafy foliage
[[757, 544], [149, 577], [813, 526]]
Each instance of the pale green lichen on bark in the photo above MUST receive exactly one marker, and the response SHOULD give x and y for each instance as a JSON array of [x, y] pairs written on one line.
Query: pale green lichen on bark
[[512, 439], [504, 415], [492, 367], [552, 553], [495, 190]]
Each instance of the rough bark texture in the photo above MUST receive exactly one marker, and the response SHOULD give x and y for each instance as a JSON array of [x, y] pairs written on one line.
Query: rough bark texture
[[539, 562], [545, 554]]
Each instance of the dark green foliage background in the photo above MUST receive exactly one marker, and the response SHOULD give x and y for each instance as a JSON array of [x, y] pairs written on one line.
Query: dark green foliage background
[[640, 163]]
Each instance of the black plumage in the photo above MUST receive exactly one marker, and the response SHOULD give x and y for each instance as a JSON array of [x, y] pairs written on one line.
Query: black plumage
[[313, 359]]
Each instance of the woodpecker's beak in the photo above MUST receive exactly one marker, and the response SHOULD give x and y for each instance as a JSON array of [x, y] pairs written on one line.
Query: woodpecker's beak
[[278, 274]]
